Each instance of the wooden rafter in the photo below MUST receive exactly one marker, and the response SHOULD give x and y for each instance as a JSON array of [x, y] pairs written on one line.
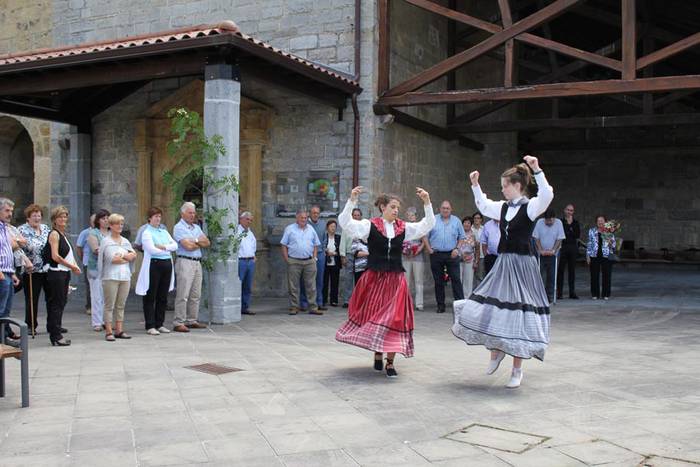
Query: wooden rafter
[[540, 91], [629, 39], [615, 121], [526, 38], [441, 69], [511, 69]]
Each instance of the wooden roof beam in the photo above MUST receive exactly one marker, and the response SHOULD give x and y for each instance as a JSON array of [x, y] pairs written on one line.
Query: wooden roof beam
[[441, 69], [540, 91]]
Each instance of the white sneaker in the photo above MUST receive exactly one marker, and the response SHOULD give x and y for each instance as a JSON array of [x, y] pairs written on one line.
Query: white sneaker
[[494, 363], [153, 332], [419, 308], [516, 377], [164, 330], [606, 298]]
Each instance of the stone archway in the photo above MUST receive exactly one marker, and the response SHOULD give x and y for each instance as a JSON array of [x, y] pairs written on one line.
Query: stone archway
[[150, 143], [16, 164]]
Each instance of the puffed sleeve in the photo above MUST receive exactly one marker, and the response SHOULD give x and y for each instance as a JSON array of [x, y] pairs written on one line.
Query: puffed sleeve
[[416, 230], [486, 206], [355, 229], [545, 195]]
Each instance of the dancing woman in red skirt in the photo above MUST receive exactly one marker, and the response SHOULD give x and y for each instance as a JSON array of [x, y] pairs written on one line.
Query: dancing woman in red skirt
[[380, 313]]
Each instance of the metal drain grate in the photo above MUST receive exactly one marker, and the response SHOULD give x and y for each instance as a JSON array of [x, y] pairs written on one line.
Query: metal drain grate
[[213, 368]]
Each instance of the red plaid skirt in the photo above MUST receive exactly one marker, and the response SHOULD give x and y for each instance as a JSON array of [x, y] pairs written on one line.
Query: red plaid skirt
[[380, 314]]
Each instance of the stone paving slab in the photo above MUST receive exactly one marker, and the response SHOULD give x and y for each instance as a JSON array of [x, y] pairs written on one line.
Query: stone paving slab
[[618, 388]]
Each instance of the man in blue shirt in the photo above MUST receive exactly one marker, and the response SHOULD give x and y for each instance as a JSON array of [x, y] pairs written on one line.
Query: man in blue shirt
[[490, 238], [320, 227], [80, 245], [444, 254], [300, 251], [548, 235], [188, 269]]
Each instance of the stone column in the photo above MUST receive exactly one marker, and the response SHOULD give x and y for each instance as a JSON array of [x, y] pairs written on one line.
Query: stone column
[[79, 180], [222, 102]]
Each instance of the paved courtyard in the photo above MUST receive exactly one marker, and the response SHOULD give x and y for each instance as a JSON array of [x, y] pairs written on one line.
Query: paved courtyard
[[619, 387]]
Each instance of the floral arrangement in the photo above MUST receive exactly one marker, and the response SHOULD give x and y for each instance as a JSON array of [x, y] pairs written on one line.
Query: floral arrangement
[[612, 226], [410, 249]]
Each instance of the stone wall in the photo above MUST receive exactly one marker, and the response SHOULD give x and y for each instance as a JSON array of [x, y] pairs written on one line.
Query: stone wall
[[652, 191], [318, 30]]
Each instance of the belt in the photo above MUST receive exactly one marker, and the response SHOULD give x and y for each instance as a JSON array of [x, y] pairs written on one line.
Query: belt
[[301, 259], [160, 259], [448, 251], [190, 258], [247, 258]]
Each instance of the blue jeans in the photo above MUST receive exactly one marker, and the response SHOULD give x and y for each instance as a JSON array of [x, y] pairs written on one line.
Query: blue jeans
[[320, 270], [7, 291], [246, 271]]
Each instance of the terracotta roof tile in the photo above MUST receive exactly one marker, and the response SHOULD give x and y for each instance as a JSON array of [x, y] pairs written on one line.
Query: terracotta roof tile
[[225, 27]]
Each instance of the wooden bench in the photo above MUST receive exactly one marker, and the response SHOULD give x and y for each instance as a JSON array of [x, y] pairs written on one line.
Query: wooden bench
[[21, 353]]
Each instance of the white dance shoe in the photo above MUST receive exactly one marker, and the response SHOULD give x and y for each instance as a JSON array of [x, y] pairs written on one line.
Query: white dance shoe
[[494, 363], [516, 377]]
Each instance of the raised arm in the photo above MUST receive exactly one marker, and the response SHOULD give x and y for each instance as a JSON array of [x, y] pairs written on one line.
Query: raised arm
[[485, 206], [545, 193], [416, 230], [355, 229]]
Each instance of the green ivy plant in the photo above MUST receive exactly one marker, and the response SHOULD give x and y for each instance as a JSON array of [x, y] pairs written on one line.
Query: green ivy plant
[[194, 152]]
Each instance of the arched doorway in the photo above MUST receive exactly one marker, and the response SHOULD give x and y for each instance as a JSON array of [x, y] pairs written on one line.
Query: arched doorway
[[16, 164]]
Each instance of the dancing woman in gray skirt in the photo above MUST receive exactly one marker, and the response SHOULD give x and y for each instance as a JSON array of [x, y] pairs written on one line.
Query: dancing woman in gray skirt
[[508, 312]]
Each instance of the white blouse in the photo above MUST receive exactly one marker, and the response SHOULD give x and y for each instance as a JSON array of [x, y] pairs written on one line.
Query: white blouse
[[360, 229], [535, 206]]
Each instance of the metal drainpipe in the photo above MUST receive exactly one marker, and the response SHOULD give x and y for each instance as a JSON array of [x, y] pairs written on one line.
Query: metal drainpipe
[[356, 113]]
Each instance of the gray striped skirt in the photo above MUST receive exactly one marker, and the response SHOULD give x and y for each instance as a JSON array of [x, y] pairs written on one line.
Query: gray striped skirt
[[508, 311]]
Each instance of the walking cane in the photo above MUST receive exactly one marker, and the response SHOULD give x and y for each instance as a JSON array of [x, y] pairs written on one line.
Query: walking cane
[[31, 304], [556, 271]]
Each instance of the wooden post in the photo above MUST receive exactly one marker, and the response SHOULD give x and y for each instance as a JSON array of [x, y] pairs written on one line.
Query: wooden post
[[629, 39]]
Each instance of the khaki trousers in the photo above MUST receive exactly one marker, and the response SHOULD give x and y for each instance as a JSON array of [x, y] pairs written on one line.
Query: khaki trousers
[[115, 294], [306, 270], [188, 291], [414, 277]]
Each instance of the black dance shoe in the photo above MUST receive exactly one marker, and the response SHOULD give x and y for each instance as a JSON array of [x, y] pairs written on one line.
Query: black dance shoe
[[64, 330], [378, 364], [390, 370], [60, 342]]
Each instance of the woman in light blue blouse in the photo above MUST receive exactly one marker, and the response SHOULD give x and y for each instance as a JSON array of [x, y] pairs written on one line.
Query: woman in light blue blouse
[[601, 245]]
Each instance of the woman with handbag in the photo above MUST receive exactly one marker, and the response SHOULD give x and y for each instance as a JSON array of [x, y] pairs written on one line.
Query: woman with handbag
[[331, 273], [600, 255]]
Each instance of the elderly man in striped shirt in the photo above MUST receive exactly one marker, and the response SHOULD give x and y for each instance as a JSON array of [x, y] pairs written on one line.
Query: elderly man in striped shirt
[[8, 279]]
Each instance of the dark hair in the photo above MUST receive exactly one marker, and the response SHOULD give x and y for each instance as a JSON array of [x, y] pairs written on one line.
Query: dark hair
[[477, 213], [152, 211], [519, 174], [468, 218], [384, 199], [549, 213], [99, 215], [331, 222], [605, 219], [356, 209]]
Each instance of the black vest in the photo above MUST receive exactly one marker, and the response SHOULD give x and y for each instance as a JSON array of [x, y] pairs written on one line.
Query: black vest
[[63, 249], [384, 254], [516, 234]]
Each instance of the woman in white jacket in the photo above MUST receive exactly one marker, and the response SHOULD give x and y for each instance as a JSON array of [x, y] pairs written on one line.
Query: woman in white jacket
[[156, 277]]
